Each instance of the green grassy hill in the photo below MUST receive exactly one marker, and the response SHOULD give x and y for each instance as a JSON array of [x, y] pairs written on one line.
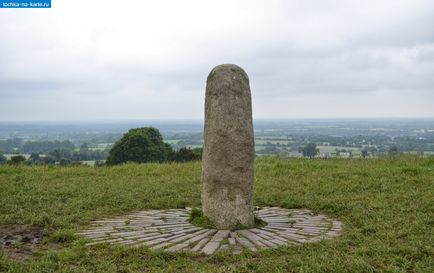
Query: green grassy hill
[[386, 206]]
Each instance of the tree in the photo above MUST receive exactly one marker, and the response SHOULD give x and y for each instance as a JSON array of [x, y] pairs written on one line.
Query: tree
[[84, 146], [18, 159], [34, 158], [310, 150], [186, 154], [364, 153], [16, 142], [198, 153], [45, 147], [6, 146], [139, 145], [48, 159], [58, 154], [393, 151], [99, 163], [3, 158], [64, 161]]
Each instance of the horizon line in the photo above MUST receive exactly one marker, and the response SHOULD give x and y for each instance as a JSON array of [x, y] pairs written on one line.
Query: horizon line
[[202, 120]]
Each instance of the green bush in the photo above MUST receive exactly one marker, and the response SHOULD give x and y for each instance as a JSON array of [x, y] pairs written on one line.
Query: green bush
[[139, 145], [18, 159]]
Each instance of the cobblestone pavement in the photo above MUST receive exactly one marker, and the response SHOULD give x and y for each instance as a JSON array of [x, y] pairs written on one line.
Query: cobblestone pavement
[[170, 230]]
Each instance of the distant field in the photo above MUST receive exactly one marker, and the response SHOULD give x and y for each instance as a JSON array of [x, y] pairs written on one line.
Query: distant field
[[332, 149], [97, 149], [175, 141], [385, 205], [282, 137], [89, 162], [257, 141], [263, 142], [8, 156], [194, 146], [171, 141]]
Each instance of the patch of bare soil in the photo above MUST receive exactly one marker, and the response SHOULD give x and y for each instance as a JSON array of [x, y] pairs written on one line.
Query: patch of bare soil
[[18, 241]]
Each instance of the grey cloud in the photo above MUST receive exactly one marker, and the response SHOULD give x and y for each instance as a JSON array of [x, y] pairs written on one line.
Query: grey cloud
[[289, 49]]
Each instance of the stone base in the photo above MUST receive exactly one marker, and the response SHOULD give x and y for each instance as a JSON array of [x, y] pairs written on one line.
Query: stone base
[[170, 230]]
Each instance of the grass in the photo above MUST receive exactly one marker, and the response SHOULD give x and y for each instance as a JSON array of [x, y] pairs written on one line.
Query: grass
[[197, 218], [386, 206]]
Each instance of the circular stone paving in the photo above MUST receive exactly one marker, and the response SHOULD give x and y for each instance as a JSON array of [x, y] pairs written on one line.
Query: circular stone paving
[[170, 230]]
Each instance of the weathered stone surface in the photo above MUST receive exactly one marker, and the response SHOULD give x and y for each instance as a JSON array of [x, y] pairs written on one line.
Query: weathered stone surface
[[228, 155]]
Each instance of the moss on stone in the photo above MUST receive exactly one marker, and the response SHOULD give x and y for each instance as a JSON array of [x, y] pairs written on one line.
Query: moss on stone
[[199, 219]]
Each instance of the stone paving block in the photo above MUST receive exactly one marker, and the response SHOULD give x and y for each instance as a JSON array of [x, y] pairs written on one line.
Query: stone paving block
[[332, 233], [188, 236], [103, 241], [224, 247], [276, 219], [177, 247], [97, 231], [297, 239], [268, 215], [127, 233], [172, 225], [236, 249], [266, 232], [269, 243], [275, 229], [199, 236], [210, 247], [162, 245], [170, 230], [123, 242], [278, 241], [246, 243], [277, 224], [185, 230], [252, 237], [96, 237], [314, 239], [200, 244], [149, 238], [265, 237], [143, 235], [220, 235], [163, 239], [336, 226]]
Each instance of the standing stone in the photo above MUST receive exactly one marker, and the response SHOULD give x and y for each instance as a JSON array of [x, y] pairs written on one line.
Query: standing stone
[[229, 149]]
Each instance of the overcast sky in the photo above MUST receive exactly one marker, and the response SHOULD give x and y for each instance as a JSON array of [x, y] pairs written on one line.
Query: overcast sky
[[91, 60]]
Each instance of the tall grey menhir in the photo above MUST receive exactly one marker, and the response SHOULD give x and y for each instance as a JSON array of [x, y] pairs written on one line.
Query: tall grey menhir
[[229, 149]]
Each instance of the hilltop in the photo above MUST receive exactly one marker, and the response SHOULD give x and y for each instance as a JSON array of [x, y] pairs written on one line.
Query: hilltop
[[385, 205]]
